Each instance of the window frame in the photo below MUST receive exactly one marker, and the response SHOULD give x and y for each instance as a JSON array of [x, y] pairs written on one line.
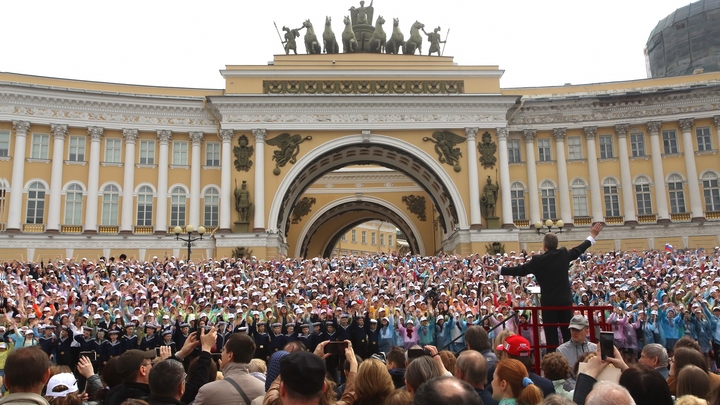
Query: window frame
[[514, 155], [517, 201], [147, 205], [44, 146], [73, 208], [211, 209], [579, 200], [4, 151], [643, 196], [612, 198], [179, 153], [548, 201], [79, 155], [574, 149], [605, 143], [178, 206], [149, 153], [36, 203], [711, 192], [110, 206], [113, 150], [637, 145], [706, 144], [216, 153], [544, 150], [676, 195], [670, 144]]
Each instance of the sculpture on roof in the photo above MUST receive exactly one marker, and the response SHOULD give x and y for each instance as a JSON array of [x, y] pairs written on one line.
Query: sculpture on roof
[[330, 44], [415, 41], [289, 42], [377, 41], [311, 42], [350, 44], [434, 39], [397, 39], [362, 14]]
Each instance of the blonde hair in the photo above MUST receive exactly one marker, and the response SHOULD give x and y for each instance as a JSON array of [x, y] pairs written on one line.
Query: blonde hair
[[690, 400], [373, 382], [449, 360], [499, 340], [257, 366], [398, 397]]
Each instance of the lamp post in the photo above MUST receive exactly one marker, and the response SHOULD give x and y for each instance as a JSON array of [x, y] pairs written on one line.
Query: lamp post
[[189, 229], [549, 224]]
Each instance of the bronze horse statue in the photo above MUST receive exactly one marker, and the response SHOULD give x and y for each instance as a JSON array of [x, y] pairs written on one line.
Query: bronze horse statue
[[397, 39], [377, 42], [350, 44], [311, 42], [330, 44], [415, 41]]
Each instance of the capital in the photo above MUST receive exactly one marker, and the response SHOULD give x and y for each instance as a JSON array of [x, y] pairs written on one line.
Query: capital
[[259, 134], [687, 124], [716, 119], [59, 130], [529, 135], [227, 135], [559, 134], [654, 126], [590, 132], [621, 130], [502, 133], [196, 137], [471, 133], [164, 135], [95, 133], [21, 127], [130, 135]]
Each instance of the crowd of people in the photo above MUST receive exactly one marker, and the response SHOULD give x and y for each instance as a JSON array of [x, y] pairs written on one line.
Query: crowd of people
[[378, 328]]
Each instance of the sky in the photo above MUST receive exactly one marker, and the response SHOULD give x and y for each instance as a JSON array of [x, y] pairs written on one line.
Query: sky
[[183, 43]]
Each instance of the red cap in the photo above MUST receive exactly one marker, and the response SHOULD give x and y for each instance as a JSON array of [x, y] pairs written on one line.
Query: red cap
[[515, 345]]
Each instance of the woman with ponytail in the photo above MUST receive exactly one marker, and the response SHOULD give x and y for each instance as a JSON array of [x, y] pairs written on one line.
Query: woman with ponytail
[[512, 385]]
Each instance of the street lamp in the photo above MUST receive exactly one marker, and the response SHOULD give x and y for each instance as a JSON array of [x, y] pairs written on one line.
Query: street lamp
[[549, 224], [189, 229]]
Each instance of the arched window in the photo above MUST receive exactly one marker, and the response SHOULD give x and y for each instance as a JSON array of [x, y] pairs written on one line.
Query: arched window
[[517, 196], [212, 204], [642, 194], [612, 200], [579, 195], [110, 204], [547, 191], [711, 191], [677, 194], [35, 203], [177, 207], [144, 206], [73, 205]]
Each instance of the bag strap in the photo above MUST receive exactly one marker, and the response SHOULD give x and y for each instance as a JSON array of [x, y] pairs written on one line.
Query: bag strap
[[239, 390]]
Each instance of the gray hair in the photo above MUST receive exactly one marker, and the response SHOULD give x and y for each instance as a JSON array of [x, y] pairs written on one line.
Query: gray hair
[[609, 393], [165, 378], [656, 350], [556, 399]]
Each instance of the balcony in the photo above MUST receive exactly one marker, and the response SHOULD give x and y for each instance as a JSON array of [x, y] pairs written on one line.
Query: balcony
[[71, 228], [681, 217], [582, 221], [615, 220], [33, 228], [647, 219], [108, 229], [522, 223], [143, 230], [712, 215]]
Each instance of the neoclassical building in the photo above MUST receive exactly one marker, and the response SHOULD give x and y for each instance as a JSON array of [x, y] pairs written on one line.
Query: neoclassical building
[[319, 144]]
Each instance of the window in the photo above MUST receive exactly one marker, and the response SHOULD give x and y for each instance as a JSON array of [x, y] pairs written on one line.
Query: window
[[73, 205], [344, 238], [544, 150], [390, 240], [212, 206], [147, 152], [364, 237], [547, 191], [642, 192], [382, 239], [113, 150], [612, 201], [703, 139], [144, 206], [40, 146], [373, 241], [180, 153], [711, 191], [637, 144], [677, 194], [110, 204], [212, 154], [517, 197], [606, 147], [514, 151], [574, 148], [35, 202], [670, 142], [4, 143], [354, 236], [76, 152], [579, 196], [177, 206]]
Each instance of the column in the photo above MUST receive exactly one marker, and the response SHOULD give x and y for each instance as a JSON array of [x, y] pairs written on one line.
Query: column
[[565, 210], [658, 175], [595, 199], [474, 189], [53, 219], [532, 175], [716, 119], [225, 197], [126, 222], [91, 212], [196, 138], [696, 207], [18, 176], [164, 136], [628, 190], [259, 204], [505, 198]]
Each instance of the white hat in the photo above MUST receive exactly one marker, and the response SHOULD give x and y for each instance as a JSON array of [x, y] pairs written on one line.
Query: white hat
[[66, 379]]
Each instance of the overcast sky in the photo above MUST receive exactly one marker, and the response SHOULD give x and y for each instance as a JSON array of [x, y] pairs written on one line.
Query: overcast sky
[[185, 43]]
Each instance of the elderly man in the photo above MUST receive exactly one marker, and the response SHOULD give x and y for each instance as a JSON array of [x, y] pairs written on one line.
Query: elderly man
[[447, 390], [578, 343], [609, 393], [655, 356]]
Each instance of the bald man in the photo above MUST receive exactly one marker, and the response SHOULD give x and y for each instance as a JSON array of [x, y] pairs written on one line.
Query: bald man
[[472, 368], [446, 390], [609, 393]]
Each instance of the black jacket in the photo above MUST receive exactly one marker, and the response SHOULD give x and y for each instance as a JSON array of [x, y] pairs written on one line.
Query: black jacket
[[121, 392], [164, 401], [551, 271]]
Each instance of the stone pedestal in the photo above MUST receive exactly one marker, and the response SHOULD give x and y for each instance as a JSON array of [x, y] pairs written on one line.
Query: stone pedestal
[[492, 222], [241, 227]]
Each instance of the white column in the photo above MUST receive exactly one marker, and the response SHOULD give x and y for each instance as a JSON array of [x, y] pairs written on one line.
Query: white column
[[474, 188], [91, 212], [658, 175], [563, 183], [716, 119], [59, 133], [226, 164], [259, 204], [532, 175], [628, 189], [595, 199], [696, 206], [505, 199], [164, 137], [196, 138], [126, 222], [18, 176]]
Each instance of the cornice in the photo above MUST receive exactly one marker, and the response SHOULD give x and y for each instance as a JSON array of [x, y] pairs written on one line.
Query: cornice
[[363, 176], [355, 73]]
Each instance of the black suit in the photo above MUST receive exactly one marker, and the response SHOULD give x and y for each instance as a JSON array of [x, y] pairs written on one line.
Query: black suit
[[551, 271]]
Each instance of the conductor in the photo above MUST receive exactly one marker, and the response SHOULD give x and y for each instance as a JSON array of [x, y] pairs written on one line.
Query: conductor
[[551, 271]]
